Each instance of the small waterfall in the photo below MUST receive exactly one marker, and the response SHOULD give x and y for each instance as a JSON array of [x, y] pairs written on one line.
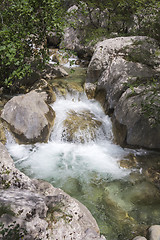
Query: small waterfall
[[78, 147], [80, 120], [82, 159]]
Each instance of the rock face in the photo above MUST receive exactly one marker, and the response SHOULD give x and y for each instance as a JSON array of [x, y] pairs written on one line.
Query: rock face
[[127, 69], [36, 210], [29, 117], [74, 36]]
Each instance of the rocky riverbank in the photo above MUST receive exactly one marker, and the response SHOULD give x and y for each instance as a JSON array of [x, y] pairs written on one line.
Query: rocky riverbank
[[36, 210], [125, 73], [118, 83]]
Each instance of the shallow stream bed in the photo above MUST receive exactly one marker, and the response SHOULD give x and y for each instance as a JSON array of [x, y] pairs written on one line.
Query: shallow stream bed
[[119, 186]]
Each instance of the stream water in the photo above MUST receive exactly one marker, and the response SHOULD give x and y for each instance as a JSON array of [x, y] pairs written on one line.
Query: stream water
[[111, 181]]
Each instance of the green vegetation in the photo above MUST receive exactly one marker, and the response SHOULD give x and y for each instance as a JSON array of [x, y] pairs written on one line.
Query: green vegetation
[[150, 101], [116, 18], [24, 25], [13, 231], [6, 210], [55, 213]]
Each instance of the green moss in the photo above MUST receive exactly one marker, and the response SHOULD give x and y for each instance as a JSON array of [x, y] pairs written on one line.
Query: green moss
[[139, 52], [55, 213], [6, 209]]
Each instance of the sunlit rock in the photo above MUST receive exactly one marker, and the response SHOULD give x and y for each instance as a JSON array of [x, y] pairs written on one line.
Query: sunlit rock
[[127, 69], [44, 86], [29, 117], [154, 232]]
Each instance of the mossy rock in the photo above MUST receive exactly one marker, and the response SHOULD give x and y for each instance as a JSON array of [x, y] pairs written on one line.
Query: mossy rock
[[2, 133], [80, 127], [62, 87]]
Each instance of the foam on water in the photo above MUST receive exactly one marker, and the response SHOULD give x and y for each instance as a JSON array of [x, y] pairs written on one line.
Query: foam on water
[[57, 159]]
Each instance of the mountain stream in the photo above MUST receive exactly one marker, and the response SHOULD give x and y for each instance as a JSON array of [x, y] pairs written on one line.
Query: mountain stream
[[82, 159]]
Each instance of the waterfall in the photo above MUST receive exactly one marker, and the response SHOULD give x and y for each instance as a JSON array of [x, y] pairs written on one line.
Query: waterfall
[[91, 148], [82, 159]]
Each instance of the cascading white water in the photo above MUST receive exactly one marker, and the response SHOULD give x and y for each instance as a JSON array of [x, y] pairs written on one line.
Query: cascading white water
[[58, 159]]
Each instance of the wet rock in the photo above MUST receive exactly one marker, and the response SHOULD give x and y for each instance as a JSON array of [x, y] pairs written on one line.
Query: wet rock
[[129, 163], [29, 117], [135, 194], [81, 127], [2, 133], [154, 232], [62, 87], [127, 69], [90, 90], [153, 175]]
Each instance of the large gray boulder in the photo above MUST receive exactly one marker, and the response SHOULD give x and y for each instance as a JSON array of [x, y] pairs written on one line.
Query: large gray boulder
[[127, 69], [29, 117], [37, 210]]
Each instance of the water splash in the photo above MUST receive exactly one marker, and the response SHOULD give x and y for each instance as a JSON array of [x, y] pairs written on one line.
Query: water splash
[[58, 159]]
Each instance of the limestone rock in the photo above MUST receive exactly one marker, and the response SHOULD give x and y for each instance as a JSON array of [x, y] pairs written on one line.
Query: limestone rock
[[44, 86], [71, 218], [126, 68], [29, 117], [35, 209], [9, 175], [140, 130], [154, 232], [51, 72]]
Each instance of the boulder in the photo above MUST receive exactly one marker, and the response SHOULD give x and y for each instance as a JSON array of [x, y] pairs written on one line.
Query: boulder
[[80, 127], [34, 209], [154, 232], [43, 86], [51, 72], [127, 69], [29, 117]]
